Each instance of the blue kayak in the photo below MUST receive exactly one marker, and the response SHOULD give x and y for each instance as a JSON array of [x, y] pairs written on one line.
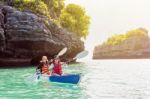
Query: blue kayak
[[67, 78]]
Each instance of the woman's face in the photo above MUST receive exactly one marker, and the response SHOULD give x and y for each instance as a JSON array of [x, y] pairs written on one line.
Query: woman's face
[[44, 58]]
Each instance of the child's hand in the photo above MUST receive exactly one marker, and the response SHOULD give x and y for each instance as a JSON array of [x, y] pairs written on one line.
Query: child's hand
[[65, 64]]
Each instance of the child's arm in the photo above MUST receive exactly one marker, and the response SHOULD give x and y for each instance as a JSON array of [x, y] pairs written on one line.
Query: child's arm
[[51, 66]]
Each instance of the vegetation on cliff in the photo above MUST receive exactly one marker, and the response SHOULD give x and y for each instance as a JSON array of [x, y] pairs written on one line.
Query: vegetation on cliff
[[72, 16], [118, 39], [36, 6]]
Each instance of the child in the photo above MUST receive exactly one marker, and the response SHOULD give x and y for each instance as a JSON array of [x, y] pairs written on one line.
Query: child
[[57, 67]]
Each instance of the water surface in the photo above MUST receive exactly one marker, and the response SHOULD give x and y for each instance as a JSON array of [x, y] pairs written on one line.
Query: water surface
[[101, 79]]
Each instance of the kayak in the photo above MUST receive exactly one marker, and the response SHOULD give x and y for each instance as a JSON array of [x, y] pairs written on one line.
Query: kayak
[[66, 78]]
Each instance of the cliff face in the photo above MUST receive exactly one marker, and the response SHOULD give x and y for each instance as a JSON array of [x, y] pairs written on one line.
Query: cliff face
[[133, 47], [25, 37]]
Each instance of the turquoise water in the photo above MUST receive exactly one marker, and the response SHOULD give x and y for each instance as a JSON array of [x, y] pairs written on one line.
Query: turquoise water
[[104, 79]]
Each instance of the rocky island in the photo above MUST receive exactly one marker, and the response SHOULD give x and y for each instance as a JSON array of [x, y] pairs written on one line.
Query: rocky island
[[131, 45], [25, 36]]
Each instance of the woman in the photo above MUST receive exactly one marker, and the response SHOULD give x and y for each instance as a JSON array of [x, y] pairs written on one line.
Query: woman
[[57, 67], [43, 67]]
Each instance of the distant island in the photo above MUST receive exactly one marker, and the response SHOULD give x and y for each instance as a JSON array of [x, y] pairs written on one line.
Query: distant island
[[132, 44]]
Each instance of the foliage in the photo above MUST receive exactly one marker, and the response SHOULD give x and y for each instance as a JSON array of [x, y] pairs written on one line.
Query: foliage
[[74, 19], [137, 32], [55, 7], [117, 39], [36, 6], [51, 8]]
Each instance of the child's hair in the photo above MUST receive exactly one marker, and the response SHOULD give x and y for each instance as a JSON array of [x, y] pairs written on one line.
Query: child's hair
[[56, 59]]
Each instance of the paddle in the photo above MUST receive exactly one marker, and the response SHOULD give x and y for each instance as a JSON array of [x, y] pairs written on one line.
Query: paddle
[[79, 55], [62, 52]]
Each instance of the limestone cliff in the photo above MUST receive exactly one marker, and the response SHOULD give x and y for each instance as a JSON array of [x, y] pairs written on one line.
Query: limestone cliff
[[25, 37]]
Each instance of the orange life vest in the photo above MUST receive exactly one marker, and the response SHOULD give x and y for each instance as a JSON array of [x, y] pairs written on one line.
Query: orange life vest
[[45, 69]]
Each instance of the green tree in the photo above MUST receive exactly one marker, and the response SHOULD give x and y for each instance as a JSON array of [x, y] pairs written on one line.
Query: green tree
[[118, 39], [74, 19], [55, 7], [50, 8], [36, 6]]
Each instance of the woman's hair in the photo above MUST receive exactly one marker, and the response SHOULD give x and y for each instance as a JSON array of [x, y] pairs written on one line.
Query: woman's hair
[[44, 58]]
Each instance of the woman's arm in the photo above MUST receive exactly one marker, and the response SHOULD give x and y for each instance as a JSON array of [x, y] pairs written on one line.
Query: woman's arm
[[39, 67]]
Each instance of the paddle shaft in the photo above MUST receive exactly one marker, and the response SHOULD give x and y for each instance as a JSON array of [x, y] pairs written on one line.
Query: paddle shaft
[[79, 55]]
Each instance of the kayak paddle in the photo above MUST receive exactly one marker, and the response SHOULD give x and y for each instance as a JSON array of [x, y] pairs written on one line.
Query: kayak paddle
[[62, 52], [81, 55]]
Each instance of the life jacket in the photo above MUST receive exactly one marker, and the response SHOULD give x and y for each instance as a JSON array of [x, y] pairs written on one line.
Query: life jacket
[[45, 69], [57, 69]]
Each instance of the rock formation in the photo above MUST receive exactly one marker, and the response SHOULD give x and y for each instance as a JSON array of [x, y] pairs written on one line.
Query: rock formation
[[25, 37]]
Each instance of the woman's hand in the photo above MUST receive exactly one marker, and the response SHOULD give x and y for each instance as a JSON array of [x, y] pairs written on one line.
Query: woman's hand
[[51, 60]]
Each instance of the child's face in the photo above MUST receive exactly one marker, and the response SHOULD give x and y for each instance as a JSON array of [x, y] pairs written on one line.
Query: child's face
[[56, 61]]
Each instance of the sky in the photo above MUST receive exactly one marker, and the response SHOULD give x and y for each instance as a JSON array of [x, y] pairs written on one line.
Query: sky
[[109, 17]]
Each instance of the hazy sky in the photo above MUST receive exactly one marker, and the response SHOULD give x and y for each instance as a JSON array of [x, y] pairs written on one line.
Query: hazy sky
[[110, 17]]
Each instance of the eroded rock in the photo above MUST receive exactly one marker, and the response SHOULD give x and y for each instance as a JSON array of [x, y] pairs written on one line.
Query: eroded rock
[[25, 37]]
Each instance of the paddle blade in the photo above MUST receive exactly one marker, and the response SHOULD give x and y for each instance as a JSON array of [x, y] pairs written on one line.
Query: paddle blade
[[81, 54], [62, 52]]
